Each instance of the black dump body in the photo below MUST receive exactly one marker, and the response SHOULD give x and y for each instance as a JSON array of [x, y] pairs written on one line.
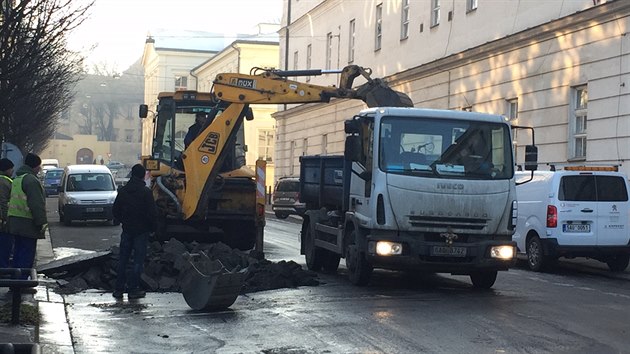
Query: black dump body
[[325, 182]]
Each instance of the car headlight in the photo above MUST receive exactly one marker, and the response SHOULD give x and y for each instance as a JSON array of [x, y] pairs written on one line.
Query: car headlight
[[111, 200], [71, 200]]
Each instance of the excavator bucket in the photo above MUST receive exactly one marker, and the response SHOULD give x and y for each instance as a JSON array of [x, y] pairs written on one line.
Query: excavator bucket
[[207, 285], [376, 93]]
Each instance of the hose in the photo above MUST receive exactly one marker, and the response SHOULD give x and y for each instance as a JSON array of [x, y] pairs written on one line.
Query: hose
[[169, 193]]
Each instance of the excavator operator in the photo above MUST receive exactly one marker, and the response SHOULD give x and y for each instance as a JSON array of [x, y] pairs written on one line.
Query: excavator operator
[[193, 130]]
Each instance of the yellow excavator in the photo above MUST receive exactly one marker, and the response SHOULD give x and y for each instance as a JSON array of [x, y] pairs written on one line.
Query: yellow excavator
[[204, 190]]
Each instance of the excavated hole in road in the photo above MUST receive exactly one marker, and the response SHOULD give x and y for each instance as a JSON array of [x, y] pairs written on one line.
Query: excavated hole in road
[[165, 265]]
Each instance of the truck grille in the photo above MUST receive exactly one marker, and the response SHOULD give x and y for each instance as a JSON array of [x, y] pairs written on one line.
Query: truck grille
[[442, 222]]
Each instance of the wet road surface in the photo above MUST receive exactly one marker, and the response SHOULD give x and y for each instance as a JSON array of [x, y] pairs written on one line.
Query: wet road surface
[[578, 308]]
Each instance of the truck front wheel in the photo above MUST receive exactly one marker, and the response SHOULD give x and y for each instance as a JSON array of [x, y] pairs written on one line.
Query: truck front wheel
[[359, 269], [312, 254], [483, 280]]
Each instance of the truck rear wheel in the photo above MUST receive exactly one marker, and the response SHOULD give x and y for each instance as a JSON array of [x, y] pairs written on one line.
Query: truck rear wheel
[[483, 280], [359, 269], [618, 263], [313, 255]]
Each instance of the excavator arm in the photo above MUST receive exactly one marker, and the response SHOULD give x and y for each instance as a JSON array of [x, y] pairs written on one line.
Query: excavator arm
[[204, 155], [273, 87]]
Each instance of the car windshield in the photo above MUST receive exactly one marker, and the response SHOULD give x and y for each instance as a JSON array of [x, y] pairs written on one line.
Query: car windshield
[[83, 182], [54, 174], [445, 148]]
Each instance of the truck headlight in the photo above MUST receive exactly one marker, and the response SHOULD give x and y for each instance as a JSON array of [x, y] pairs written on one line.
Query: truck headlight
[[502, 252], [387, 248]]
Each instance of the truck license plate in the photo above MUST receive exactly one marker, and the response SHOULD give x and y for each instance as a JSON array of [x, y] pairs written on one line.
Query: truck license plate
[[94, 210], [576, 227], [449, 251]]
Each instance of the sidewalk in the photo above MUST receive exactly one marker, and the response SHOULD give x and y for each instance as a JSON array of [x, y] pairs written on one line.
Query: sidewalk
[[52, 333]]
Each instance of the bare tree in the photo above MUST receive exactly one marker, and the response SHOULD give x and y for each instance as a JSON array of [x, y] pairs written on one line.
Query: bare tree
[[37, 72]]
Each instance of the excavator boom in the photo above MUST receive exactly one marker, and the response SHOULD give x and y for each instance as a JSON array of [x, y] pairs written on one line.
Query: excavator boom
[[273, 87]]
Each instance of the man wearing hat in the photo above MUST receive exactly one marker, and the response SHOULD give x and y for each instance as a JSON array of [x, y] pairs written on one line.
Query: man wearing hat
[[27, 212], [6, 239], [135, 208]]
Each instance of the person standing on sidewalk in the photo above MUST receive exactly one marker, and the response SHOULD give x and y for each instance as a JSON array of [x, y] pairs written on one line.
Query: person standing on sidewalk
[[6, 239], [27, 212], [135, 208]]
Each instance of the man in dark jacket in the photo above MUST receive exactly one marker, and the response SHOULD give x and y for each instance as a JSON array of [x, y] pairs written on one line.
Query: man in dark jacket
[[195, 129], [135, 208], [27, 212], [6, 239]]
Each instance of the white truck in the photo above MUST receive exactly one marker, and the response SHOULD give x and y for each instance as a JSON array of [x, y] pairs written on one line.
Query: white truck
[[578, 211], [416, 189]]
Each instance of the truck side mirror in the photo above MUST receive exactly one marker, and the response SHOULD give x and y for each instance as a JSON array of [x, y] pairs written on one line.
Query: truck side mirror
[[352, 126], [352, 150], [143, 111], [531, 158]]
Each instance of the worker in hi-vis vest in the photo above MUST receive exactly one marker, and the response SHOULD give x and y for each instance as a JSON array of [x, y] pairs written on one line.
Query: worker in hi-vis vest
[[6, 239], [27, 212]]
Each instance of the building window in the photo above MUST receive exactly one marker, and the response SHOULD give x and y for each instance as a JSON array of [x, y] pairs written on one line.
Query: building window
[[378, 31], [304, 146], [266, 142], [309, 51], [181, 83], [512, 109], [295, 60], [471, 5], [578, 122], [404, 20], [115, 134], [128, 135], [435, 12], [325, 144], [329, 37], [351, 39]]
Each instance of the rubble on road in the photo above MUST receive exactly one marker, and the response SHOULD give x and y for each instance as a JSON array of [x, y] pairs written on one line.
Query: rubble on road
[[165, 264]]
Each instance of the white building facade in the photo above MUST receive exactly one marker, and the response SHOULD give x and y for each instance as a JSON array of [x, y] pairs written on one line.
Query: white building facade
[[562, 67]]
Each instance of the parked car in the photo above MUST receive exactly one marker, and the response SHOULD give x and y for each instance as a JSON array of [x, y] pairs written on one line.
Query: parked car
[[51, 180], [575, 212], [115, 165], [86, 192], [286, 198]]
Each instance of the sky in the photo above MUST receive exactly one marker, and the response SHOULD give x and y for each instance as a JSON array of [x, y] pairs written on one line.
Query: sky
[[119, 28]]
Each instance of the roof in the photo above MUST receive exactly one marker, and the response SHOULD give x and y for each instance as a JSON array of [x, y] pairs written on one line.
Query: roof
[[87, 168], [189, 40]]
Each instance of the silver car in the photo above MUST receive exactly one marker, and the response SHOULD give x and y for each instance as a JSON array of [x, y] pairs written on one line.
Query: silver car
[[286, 198]]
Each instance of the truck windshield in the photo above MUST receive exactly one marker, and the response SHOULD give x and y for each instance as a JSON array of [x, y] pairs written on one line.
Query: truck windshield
[[446, 148]]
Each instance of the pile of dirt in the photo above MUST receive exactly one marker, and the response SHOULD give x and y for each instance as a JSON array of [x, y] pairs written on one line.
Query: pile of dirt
[[166, 264]]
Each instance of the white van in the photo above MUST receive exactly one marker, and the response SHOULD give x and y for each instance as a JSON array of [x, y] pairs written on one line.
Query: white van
[[574, 212], [86, 192]]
